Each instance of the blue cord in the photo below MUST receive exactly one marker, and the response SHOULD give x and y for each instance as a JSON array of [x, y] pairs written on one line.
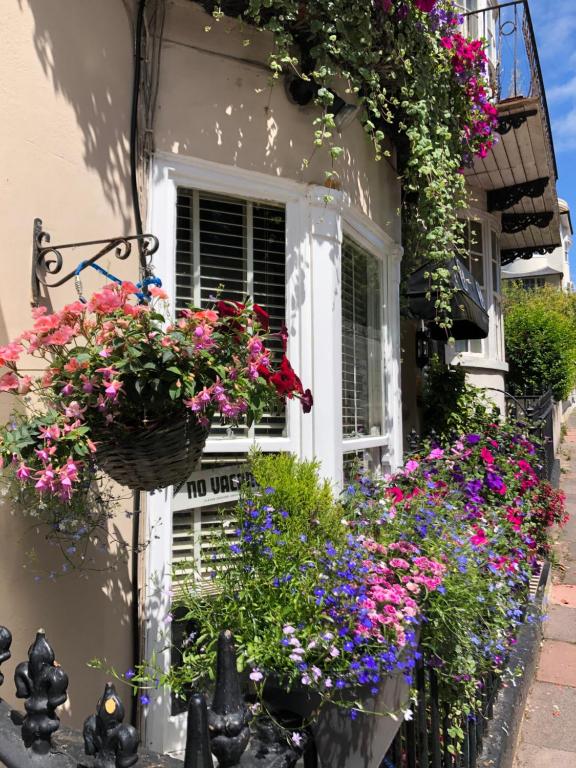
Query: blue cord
[[141, 295]]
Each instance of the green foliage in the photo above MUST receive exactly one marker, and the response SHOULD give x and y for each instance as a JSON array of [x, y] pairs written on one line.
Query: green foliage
[[402, 66], [294, 514], [540, 334], [451, 405]]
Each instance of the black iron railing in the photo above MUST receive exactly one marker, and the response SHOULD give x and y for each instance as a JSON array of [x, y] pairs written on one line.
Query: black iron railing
[[538, 412], [513, 54]]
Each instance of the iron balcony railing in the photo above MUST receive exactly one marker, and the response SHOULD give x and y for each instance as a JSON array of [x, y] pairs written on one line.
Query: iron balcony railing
[[515, 70]]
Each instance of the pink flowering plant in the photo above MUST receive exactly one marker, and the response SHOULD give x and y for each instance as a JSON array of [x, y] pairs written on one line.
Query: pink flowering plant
[[478, 506], [115, 365]]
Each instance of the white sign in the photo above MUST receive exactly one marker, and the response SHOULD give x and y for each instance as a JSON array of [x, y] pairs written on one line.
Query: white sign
[[211, 486]]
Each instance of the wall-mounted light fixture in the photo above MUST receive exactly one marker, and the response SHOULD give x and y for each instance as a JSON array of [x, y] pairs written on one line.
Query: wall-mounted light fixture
[[302, 92], [422, 348]]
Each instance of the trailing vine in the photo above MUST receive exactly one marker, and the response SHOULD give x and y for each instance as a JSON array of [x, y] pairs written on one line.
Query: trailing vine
[[418, 81]]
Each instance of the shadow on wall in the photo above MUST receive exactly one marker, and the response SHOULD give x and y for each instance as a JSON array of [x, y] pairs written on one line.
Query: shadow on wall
[[85, 48], [86, 613]]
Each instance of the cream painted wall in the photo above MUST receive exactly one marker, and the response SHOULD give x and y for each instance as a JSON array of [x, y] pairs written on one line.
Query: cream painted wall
[[222, 108], [65, 101]]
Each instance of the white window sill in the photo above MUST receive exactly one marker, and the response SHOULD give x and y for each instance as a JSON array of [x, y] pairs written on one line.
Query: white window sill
[[478, 361]]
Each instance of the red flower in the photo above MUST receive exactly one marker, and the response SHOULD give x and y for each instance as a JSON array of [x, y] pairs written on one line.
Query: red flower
[[425, 5], [229, 308], [265, 372], [285, 380], [396, 493], [307, 401], [262, 316]]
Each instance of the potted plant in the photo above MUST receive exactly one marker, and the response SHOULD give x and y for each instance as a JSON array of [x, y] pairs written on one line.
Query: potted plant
[[123, 389]]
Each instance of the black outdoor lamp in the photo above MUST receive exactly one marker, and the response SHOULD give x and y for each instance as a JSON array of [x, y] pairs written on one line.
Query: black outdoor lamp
[[422, 348]]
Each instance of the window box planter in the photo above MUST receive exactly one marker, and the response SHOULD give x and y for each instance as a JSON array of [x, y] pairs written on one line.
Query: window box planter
[[343, 742]]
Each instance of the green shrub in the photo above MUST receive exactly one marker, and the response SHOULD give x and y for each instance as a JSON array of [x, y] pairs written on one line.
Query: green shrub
[[540, 333], [451, 405]]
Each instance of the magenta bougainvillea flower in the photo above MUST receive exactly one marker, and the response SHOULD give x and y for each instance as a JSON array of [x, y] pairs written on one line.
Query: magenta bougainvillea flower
[[425, 5]]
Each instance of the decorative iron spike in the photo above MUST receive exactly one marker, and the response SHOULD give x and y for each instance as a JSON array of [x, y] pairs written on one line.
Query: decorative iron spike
[[505, 197], [113, 742], [508, 255], [228, 716], [198, 754], [5, 643], [43, 683]]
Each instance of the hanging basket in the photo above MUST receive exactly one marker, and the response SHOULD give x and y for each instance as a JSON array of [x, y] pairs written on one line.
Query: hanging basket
[[151, 456]]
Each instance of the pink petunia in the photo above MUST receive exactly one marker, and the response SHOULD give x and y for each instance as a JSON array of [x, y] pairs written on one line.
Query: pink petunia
[[9, 381]]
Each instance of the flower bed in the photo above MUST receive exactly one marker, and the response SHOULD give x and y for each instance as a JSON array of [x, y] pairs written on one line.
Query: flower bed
[[478, 507], [334, 597]]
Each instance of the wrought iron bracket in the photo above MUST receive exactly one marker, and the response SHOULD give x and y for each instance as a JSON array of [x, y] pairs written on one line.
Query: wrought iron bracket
[[506, 197], [507, 122], [508, 255], [518, 222], [47, 259]]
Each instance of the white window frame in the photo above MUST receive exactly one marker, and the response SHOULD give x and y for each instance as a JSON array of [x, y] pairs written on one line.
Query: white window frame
[[371, 239], [489, 358], [315, 220]]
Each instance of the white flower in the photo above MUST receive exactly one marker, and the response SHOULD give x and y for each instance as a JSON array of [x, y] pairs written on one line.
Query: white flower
[[256, 675], [408, 714]]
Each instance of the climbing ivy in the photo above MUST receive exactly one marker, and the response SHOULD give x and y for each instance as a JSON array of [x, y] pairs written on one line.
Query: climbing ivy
[[419, 82]]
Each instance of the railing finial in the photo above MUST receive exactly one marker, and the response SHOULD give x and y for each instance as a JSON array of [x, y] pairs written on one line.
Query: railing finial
[[113, 742], [43, 683], [228, 716]]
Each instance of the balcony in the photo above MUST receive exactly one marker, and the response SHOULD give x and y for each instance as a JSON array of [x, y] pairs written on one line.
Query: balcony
[[519, 175]]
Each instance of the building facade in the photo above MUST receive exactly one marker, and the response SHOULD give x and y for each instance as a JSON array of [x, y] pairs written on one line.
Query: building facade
[[546, 269], [223, 184]]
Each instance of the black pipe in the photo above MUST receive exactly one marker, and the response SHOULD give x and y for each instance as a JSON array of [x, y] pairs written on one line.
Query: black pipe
[[138, 223], [134, 118]]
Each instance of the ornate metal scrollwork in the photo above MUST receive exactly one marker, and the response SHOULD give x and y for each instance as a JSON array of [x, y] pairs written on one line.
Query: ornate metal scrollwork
[[506, 197], [514, 120], [508, 255], [518, 222], [48, 260], [43, 683], [5, 643], [113, 742]]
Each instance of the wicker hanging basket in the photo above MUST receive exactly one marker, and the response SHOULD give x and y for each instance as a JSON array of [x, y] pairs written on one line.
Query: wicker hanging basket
[[151, 456]]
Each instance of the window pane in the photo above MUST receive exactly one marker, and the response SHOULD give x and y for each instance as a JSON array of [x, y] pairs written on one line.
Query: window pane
[[269, 290], [362, 374], [239, 248], [495, 263], [368, 460], [477, 267], [476, 240]]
